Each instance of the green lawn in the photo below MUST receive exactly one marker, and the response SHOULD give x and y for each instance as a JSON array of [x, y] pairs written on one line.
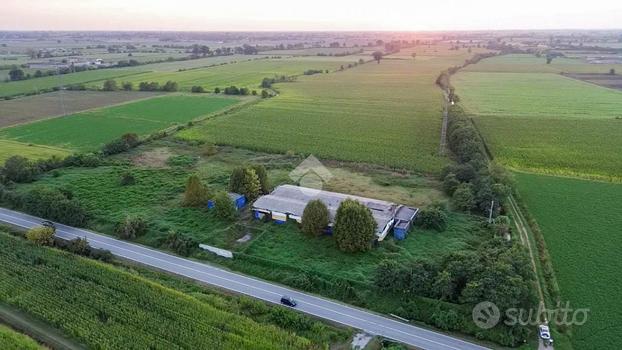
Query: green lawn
[[89, 130], [387, 113], [581, 221], [12, 340], [28, 150]]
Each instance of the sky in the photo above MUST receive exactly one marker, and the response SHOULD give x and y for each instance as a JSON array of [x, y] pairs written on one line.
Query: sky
[[323, 15]]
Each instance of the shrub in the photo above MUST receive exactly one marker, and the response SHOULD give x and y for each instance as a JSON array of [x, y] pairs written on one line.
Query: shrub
[[53, 204], [224, 207], [433, 218], [197, 89], [127, 179], [217, 90], [262, 175], [180, 244], [79, 246], [265, 94], [131, 227], [123, 144], [196, 194], [209, 149], [128, 86], [110, 85], [244, 180], [170, 86], [41, 235], [18, 169], [355, 227], [315, 218], [463, 197]]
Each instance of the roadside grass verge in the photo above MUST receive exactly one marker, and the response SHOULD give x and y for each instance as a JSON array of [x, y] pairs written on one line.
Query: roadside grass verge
[[12, 340]]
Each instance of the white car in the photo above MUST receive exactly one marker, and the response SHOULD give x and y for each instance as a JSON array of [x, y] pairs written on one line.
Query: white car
[[545, 334]]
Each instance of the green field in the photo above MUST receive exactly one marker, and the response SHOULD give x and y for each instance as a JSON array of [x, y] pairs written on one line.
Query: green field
[[12, 340], [581, 221], [89, 130], [35, 84], [525, 63], [387, 113], [535, 95], [107, 308], [546, 123], [242, 74], [10, 148]]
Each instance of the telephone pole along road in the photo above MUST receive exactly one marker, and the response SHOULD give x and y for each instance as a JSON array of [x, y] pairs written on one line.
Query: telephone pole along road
[[320, 307]]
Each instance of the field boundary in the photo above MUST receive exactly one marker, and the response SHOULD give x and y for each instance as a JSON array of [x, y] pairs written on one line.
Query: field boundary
[[36, 329]]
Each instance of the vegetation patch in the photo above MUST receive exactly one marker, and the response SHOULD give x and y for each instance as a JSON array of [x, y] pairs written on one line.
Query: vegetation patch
[[12, 340], [88, 131], [10, 148], [578, 219]]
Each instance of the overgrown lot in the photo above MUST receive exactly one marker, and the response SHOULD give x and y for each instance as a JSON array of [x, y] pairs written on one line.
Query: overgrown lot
[[580, 220], [87, 131]]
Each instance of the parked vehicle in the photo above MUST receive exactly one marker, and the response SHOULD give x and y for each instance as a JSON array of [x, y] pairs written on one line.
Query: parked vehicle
[[545, 335], [285, 300]]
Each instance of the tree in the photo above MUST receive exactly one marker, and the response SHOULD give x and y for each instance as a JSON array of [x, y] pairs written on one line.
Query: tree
[[217, 90], [197, 89], [377, 56], [79, 246], [18, 169], [131, 227], [170, 86], [463, 197], [244, 180], [16, 74], [315, 218], [265, 94], [128, 86], [110, 85], [433, 218], [355, 226], [450, 183], [223, 206], [612, 71], [196, 194], [262, 175], [41, 235]]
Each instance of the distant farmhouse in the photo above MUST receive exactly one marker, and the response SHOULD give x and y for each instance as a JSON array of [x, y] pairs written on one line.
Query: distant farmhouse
[[288, 202], [68, 63]]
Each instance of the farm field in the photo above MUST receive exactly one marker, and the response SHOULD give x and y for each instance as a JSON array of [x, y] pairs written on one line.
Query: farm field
[[32, 85], [535, 95], [242, 74], [579, 220], [10, 148], [13, 340], [387, 113], [546, 123], [105, 307], [31, 108], [89, 130], [526, 63]]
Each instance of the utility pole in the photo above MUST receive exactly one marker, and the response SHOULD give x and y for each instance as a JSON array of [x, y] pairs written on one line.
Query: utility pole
[[492, 205]]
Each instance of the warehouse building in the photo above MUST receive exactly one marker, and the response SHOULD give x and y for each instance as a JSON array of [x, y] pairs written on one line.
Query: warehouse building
[[289, 202]]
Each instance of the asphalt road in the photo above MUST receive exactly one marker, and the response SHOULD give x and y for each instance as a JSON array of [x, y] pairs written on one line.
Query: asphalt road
[[330, 310]]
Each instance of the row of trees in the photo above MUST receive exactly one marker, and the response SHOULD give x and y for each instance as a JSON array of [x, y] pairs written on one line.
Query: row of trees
[[354, 228]]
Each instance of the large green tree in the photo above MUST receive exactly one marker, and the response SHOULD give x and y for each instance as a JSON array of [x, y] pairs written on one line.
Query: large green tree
[[315, 218], [223, 206], [355, 227], [196, 194]]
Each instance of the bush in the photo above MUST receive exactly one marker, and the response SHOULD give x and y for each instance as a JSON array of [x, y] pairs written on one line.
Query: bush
[[355, 227], [433, 218], [131, 227], [170, 86], [110, 85], [265, 94], [127, 179], [18, 169], [224, 207], [315, 218], [244, 180], [180, 244], [196, 194], [262, 175], [463, 197], [53, 204], [197, 89], [123, 144], [79, 246], [41, 235], [128, 86], [217, 90], [209, 150]]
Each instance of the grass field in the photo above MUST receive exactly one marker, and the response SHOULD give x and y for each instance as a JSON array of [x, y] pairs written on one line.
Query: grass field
[[87, 131], [27, 109], [546, 123], [242, 74], [12, 340], [107, 308], [525, 63], [580, 221], [10, 148], [387, 113]]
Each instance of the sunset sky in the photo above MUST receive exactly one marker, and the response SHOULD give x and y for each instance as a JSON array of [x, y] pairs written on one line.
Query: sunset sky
[[238, 15]]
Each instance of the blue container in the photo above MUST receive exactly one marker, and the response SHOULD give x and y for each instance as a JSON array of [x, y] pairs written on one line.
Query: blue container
[[399, 233], [210, 204]]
